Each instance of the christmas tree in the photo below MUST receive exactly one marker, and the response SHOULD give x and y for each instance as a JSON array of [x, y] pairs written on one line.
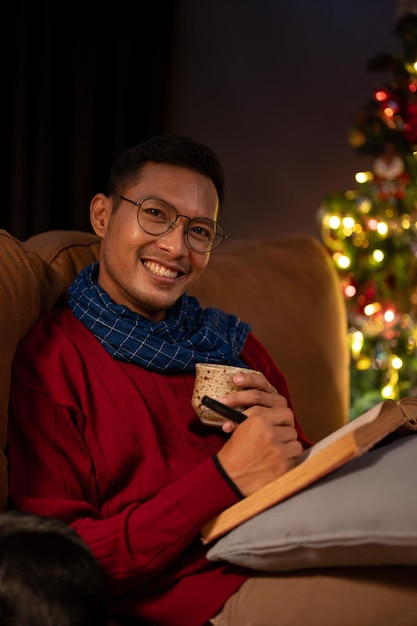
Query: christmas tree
[[371, 233]]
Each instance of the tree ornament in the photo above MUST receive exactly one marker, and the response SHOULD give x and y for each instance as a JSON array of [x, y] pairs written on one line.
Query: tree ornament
[[389, 165]]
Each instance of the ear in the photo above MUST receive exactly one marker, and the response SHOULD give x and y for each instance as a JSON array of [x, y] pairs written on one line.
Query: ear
[[101, 208]]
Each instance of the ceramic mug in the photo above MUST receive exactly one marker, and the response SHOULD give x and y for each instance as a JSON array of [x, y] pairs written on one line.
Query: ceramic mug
[[213, 380]]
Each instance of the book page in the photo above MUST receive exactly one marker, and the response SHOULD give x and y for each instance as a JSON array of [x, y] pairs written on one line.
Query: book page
[[365, 418]]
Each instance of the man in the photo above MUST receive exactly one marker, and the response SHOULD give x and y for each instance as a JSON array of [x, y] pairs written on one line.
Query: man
[[102, 432]]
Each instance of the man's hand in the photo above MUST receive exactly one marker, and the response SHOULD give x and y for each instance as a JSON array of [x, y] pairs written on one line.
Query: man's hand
[[265, 445]]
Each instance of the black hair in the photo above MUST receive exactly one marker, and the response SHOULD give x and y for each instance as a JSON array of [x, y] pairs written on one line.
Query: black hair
[[48, 575], [172, 150]]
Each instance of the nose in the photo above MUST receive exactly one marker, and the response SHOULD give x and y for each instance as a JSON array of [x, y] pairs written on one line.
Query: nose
[[175, 239]]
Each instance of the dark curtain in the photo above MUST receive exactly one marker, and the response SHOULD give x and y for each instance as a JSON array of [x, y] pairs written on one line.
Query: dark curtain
[[81, 82]]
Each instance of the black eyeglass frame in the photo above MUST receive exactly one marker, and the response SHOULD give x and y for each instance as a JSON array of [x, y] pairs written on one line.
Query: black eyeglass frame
[[221, 235]]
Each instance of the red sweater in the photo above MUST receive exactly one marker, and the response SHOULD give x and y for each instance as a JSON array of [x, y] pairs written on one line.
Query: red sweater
[[118, 453]]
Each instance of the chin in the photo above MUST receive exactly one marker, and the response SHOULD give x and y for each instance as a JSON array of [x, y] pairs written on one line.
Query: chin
[[155, 308]]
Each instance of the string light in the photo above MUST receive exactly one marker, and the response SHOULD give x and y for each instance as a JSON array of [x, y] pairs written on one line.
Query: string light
[[370, 232]]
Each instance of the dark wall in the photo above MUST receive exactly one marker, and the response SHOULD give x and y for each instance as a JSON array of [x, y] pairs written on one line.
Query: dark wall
[[273, 87]]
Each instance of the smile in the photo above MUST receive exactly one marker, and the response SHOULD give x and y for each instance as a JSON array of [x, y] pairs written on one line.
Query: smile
[[160, 270]]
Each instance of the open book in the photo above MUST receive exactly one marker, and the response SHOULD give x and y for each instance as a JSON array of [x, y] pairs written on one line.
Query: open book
[[351, 440]]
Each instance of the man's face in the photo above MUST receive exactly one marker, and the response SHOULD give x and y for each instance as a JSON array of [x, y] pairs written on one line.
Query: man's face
[[148, 273]]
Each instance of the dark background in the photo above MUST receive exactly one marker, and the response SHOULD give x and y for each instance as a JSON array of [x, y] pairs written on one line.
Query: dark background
[[272, 86]]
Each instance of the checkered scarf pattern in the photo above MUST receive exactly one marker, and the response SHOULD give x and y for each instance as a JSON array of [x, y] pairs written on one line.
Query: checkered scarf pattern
[[188, 335]]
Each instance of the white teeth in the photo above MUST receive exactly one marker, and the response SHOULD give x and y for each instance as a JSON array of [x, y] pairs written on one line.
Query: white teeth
[[159, 270]]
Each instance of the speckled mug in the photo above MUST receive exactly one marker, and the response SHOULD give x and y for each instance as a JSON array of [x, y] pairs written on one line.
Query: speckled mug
[[213, 380]]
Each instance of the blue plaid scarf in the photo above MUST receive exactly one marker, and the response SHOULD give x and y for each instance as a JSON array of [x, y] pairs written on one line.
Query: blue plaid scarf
[[188, 335]]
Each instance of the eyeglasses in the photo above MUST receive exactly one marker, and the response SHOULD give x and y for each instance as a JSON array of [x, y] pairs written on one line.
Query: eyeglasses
[[157, 217]]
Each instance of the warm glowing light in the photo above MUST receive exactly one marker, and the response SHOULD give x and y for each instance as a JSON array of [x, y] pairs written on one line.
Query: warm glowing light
[[341, 260], [371, 309], [405, 222], [363, 177], [372, 224], [389, 315], [396, 362], [356, 343], [364, 205], [410, 66], [381, 95], [389, 112], [350, 291], [334, 222], [378, 255], [364, 363], [382, 228], [348, 222], [387, 391]]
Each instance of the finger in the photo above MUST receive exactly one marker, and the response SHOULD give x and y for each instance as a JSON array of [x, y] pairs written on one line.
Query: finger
[[286, 434], [255, 397], [254, 380], [294, 449], [228, 427]]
